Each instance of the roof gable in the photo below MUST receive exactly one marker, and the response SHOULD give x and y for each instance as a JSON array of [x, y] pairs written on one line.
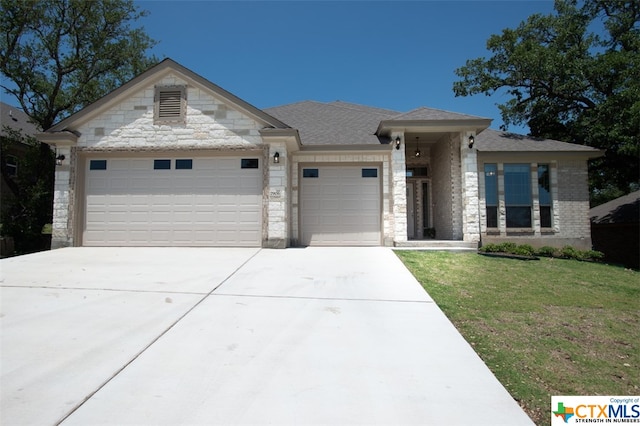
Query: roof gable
[[155, 73], [425, 114]]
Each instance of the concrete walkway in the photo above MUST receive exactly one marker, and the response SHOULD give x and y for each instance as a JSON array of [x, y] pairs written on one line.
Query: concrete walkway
[[173, 336]]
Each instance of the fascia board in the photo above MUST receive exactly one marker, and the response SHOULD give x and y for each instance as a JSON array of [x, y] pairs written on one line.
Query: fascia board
[[437, 125], [538, 155]]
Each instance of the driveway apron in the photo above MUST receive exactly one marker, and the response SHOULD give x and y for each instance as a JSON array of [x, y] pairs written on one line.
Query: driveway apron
[[241, 336]]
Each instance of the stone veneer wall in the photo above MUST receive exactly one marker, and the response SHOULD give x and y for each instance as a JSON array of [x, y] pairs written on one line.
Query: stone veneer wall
[[444, 188], [570, 205], [382, 158], [129, 125]]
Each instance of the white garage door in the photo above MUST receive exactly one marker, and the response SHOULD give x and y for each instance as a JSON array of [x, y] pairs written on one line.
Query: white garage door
[[340, 205], [173, 201]]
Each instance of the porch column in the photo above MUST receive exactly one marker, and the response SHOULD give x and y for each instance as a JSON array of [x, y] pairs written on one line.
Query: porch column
[[277, 196], [399, 188], [470, 191], [61, 229]]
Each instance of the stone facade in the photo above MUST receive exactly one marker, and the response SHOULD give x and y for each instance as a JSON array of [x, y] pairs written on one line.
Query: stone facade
[[449, 198]]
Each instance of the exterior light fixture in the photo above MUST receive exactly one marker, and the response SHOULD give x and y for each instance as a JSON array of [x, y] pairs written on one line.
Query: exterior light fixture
[[471, 141], [276, 157], [417, 154], [397, 142], [59, 160]]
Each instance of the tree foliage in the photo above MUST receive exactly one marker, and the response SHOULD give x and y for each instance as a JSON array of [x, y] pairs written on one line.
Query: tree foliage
[[573, 75], [58, 56]]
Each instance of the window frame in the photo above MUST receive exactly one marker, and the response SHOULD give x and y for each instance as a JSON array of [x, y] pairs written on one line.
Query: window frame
[[545, 208], [491, 209], [12, 167], [516, 209]]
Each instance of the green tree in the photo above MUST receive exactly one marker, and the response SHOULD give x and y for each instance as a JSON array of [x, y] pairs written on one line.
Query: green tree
[[58, 56], [573, 75]]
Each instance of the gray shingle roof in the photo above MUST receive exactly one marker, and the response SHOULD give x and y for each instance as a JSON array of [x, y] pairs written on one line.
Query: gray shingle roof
[[333, 123], [424, 113], [15, 119], [625, 209], [498, 141]]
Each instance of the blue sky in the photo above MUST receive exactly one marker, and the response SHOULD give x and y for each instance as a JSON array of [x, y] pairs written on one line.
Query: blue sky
[[398, 55]]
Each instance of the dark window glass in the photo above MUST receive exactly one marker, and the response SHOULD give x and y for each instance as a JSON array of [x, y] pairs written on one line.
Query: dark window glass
[[161, 164], [12, 165], [310, 173], [184, 164], [369, 173], [249, 163], [98, 165], [517, 195], [545, 216], [544, 195], [491, 194], [417, 172]]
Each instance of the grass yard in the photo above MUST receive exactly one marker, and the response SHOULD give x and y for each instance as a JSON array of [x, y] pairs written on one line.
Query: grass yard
[[548, 327]]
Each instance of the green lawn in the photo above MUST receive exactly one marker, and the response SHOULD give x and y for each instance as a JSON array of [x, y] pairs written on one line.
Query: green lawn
[[548, 327]]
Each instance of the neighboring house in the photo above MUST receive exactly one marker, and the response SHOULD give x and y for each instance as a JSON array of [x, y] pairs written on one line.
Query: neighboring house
[[171, 159], [615, 229], [12, 151]]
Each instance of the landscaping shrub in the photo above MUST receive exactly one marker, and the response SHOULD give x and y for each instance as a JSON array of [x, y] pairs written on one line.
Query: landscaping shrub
[[546, 251], [524, 250], [490, 248], [568, 252], [507, 247]]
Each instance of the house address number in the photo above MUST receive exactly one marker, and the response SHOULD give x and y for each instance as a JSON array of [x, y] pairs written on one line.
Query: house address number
[[275, 194]]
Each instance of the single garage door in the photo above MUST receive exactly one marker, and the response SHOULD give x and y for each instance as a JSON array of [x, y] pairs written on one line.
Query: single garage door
[[173, 201], [340, 205]]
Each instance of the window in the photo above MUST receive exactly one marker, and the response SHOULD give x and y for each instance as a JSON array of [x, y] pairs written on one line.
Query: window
[[544, 195], [491, 194], [517, 195], [98, 165], [170, 104], [184, 164], [416, 172], [369, 173], [161, 164], [249, 163], [12, 165], [309, 173]]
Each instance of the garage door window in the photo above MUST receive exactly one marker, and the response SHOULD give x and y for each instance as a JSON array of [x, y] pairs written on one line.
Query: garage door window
[[310, 173], [369, 173], [184, 164], [161, 164], [249, 163], [98, 165]]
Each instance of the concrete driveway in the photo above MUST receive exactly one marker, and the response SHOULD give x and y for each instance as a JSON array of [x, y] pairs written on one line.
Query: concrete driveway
[[233, 336]]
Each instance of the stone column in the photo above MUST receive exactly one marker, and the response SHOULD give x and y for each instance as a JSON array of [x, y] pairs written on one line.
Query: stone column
[[61, 231], [469, 189], [278, 185], [399, 188]]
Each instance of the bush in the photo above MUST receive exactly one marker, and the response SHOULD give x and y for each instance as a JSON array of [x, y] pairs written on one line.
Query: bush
[[507, 247], [593, 255], [546, 251], [490, 248], [524, 250], [568, 252]]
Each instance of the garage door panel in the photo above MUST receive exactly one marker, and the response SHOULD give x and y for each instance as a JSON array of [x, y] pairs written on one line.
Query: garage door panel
[[340, 207], [215, 203]]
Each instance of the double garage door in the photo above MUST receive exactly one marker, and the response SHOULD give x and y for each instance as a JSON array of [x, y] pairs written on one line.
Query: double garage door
[[340, 205], [173, 201]]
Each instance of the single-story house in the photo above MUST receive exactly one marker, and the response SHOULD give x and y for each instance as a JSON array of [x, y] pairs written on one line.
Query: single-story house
[[171, 159], [615, 229]]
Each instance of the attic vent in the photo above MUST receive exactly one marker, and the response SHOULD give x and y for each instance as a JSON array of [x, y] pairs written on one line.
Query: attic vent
[[170, 104]]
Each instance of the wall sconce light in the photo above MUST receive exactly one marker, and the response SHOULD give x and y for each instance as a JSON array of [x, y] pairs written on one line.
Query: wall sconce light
[[397, 142], [276, 157], [471, 141], [59, 160]]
